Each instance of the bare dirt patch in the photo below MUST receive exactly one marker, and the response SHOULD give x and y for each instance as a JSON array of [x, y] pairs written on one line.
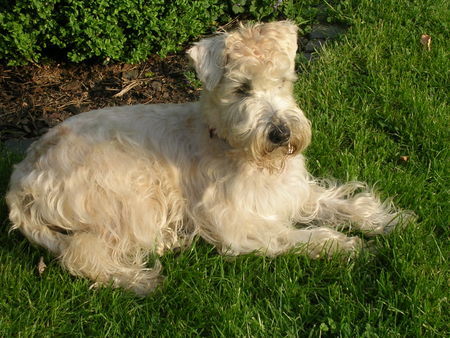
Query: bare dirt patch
[[34, 98]]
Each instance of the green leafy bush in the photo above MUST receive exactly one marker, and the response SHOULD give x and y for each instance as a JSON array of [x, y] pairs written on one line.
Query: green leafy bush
[[123, 30]]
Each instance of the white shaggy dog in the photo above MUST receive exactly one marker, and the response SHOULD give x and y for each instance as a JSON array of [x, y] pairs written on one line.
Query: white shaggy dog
[[106, 188]]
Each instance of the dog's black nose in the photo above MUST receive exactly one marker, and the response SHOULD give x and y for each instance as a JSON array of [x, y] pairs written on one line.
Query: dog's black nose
[[279, 134]]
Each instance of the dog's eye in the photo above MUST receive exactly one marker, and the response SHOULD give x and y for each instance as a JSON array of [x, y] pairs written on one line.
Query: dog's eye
[[244, 89]]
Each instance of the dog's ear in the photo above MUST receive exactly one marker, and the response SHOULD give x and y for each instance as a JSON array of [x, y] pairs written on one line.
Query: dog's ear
[[208, 57]]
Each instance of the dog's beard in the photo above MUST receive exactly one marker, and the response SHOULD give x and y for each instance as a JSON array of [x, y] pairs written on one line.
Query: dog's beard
[[253, 143]]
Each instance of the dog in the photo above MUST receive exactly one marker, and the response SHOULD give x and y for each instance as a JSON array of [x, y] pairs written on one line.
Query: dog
[[107, 188]]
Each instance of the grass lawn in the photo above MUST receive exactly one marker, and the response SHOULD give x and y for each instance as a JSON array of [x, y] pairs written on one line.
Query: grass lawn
[[378, 101]]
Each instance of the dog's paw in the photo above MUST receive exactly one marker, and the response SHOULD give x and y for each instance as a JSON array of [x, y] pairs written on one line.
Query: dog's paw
[[398, 220], [329, 243]]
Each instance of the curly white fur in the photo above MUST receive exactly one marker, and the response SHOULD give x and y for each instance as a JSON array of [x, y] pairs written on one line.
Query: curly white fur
[[108, 187]]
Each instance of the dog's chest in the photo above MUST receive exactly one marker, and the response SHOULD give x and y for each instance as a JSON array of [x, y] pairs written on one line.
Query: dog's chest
[[257, 192]]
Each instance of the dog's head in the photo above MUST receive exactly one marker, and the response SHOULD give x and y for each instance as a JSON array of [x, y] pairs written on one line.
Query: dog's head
[[248, 80]]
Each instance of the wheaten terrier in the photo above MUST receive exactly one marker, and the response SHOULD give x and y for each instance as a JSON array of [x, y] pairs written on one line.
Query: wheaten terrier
[[107, 188]]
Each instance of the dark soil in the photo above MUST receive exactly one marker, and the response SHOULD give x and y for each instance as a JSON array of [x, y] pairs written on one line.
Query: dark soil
[[34, 98]]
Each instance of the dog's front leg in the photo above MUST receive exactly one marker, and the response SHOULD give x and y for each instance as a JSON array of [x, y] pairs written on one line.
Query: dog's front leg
[[274, 238]]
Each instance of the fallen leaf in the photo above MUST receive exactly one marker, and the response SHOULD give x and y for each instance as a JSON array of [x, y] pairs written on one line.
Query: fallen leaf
[[404, 158], [41, 266], [425, 40]]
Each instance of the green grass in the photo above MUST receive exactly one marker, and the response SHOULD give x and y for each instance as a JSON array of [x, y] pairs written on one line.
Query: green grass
[[375, 94]]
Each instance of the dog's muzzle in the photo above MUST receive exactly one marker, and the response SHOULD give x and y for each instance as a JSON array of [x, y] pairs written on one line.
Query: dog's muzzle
[[279, 134]]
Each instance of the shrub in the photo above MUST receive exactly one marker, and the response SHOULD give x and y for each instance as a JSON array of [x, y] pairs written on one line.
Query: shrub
[[122, 30]]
